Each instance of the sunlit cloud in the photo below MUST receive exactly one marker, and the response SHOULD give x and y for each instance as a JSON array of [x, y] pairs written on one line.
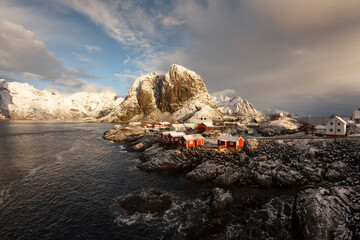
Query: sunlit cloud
[[92, 48], [81, 57]]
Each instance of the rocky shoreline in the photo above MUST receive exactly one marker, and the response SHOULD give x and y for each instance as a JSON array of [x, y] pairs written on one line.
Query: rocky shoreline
[[325, 174]]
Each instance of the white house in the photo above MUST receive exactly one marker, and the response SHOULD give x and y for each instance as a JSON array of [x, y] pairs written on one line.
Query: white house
[[356, 116], [336, 126], [177, 127]]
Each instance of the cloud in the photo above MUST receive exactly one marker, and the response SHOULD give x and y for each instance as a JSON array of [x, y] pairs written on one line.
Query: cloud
[[23, 56], [33, 14], [32, 75], [170, 21], [81, 58], [225, 92], [21, 53], [92, 48], [300, 16], [299, 56], [295, 55], [79, 73], [106, 15], [126, 77], [74, 83]]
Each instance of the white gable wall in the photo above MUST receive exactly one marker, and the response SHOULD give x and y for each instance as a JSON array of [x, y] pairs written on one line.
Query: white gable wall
[[356, 116], [336, 126]]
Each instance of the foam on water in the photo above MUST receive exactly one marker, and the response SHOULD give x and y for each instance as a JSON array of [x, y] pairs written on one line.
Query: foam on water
[[33, 171], [59, 156], [136, 218], [179, 218]]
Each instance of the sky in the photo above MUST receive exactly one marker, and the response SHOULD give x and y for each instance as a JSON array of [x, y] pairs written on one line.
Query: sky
[[298, 56]]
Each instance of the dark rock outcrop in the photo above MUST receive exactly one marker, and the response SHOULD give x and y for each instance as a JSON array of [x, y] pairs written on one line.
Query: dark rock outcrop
[[220, 201], [327, 214], [153, 202]]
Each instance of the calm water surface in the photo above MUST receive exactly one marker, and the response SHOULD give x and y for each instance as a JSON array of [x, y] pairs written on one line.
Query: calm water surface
[[62, 180]]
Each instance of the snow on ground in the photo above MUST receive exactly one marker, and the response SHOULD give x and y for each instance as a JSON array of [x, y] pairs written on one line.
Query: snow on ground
[[280, 127]]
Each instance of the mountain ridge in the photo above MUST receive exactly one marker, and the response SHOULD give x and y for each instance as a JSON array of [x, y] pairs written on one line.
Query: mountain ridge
[[21, 101], [179, 95]]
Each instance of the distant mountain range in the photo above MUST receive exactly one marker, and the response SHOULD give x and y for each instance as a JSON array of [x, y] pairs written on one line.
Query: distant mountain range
[[24, 102], [179, 95], [236, 106]]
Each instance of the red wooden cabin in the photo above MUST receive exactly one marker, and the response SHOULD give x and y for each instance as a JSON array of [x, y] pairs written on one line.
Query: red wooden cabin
[[223, 140], [162, 124], [191, 140], [187, 141], [174, 137], [164, 137], [205, 126], [230, 141], [199, 139], [236, 142]]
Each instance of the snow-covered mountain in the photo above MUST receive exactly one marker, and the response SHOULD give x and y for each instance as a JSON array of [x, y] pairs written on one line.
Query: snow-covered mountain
[[180, 95], [236, 106], [23, 101]]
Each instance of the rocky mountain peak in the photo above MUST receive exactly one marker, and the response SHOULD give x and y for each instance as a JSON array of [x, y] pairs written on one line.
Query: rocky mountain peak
[[237, 106], [176, 95]]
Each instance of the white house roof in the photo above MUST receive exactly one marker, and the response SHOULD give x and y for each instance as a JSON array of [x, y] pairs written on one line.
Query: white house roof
[[197, 136], [339, 119], [234, 138], [190, 125], [176, 134], [208, 124], [148, 124], [164, 123], [229, 138], [167, 133], [224, 138], [193, 137], [188, 137]]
